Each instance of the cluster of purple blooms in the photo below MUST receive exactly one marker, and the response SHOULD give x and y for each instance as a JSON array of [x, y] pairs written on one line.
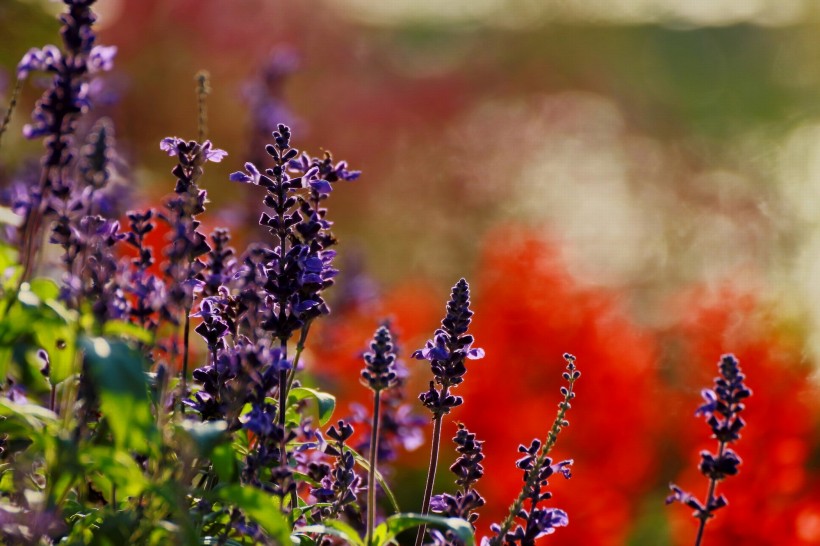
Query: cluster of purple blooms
[[722, 409]]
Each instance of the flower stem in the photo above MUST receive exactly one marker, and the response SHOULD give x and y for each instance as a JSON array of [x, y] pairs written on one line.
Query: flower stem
[[186, 334], [552, 437], [15, 93], [371, 478], [431, 475], [203, 89], [710, 495]]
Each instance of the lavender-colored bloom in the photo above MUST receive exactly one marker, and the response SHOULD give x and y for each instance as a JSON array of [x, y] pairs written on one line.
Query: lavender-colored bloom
[[721, 409], [400, 428], [341, 486], [535, 522], [380, 370], [220, 264], [468, 470], [300, 267], [186, 243], [447, 352]]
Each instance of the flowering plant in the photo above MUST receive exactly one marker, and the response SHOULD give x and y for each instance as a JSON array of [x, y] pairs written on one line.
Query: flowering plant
[[114, 427]]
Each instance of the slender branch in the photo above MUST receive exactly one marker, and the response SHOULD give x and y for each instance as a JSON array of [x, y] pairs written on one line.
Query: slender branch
[[431, 475], [371, 477], [203, 89], [532, 477], [186, 334], [15, 93], [710, 496]]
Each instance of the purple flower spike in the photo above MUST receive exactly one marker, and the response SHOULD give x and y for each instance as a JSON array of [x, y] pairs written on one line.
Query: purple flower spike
[[447, 351], [721, 410]]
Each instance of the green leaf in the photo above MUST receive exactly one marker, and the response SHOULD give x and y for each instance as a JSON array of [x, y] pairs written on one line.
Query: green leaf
[[117, 371], [334, 528], [104, 464], [261, 507], [392, 526], [325, 402], [45, 289], [206, 436], [364, 463], [222, 457], [59, 341], [127, 330]]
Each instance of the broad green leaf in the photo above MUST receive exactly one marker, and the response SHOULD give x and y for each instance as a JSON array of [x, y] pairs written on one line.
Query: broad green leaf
[[335, 528], [364, 463], [261, 507], [224, 461], [219, 541], [325, 402], [395, 524], [105, 464], [127, 330], [34, 417], [206, 436], [117, 371], [59, 341]]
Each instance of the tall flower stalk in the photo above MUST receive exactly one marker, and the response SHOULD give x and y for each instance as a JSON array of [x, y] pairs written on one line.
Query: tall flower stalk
[[379, 374], [186, 243], [57, 112], [721, 409], [447, 352], [537, 467]]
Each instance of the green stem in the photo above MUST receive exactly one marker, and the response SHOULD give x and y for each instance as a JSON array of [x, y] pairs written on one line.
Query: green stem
[[431, 475], [371, 477], [186, 334], [710, 494], [532, 476], [203, 89], [15, 93]]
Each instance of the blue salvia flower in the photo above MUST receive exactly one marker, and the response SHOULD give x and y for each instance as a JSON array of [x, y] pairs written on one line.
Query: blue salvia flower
[[447, 352], [264, 96], [722, 409], [186, 243], [464, 503], [56, 113], [400, 426], [537, 466], [148, 291], [380, 370], [220, 264], [301, 266], [537, 522], [341, 486]]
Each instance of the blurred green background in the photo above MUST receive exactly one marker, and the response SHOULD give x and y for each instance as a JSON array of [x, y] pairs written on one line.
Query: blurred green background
[[661, 140]]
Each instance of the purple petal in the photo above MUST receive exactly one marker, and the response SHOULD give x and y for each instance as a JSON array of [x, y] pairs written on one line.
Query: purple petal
[[321, 186]]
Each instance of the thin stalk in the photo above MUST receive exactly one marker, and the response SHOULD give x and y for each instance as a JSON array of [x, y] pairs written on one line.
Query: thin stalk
[[52, 401], [15, 93], [371, 477], [203, 89], [186, 334], [283, 400], [431, 475], [532, 477], [704, 517], [300, 346]]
